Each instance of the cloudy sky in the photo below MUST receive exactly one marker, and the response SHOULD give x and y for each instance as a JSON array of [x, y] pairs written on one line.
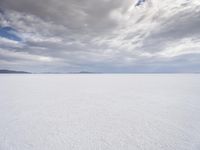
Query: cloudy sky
[[100, 35]]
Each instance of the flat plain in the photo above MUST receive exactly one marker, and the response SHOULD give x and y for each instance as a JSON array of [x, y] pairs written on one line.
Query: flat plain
[[100, 112]]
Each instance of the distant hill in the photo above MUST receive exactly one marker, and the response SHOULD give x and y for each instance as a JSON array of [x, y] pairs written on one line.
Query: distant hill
[[86, 72], [13, 72], [82, 72]]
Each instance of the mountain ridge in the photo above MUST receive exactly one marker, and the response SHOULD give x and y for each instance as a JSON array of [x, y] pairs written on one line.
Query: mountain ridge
[[6, 71]]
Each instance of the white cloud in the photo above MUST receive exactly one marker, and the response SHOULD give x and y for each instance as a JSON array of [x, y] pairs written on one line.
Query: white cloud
[[26, 56]]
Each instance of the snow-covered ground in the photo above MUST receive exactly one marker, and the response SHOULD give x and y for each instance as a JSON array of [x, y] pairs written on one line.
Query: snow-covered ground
[[100, 112]]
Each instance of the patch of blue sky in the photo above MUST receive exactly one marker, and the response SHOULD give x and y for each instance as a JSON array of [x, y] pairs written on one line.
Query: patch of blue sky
[[9, 33]]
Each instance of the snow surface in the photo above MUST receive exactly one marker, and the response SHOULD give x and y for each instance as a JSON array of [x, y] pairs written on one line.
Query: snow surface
[[100, 112]]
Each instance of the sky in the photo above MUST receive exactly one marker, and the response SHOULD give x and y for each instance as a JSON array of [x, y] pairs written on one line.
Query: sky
[[100, 36]]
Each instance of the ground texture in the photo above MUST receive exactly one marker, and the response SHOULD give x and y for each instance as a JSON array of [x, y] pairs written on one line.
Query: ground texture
[[100, 112]]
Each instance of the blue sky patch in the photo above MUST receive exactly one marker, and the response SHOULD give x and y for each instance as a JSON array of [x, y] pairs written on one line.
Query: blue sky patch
[[9, 33]]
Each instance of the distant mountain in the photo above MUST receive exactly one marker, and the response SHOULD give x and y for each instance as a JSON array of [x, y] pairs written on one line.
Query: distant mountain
[[83, 72], [86, 72], [13, 72]]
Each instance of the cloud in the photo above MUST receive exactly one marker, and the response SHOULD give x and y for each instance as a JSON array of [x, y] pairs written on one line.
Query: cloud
[[103, 36]]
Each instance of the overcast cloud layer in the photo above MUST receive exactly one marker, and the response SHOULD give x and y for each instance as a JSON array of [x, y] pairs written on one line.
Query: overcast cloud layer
[[100, 35]]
